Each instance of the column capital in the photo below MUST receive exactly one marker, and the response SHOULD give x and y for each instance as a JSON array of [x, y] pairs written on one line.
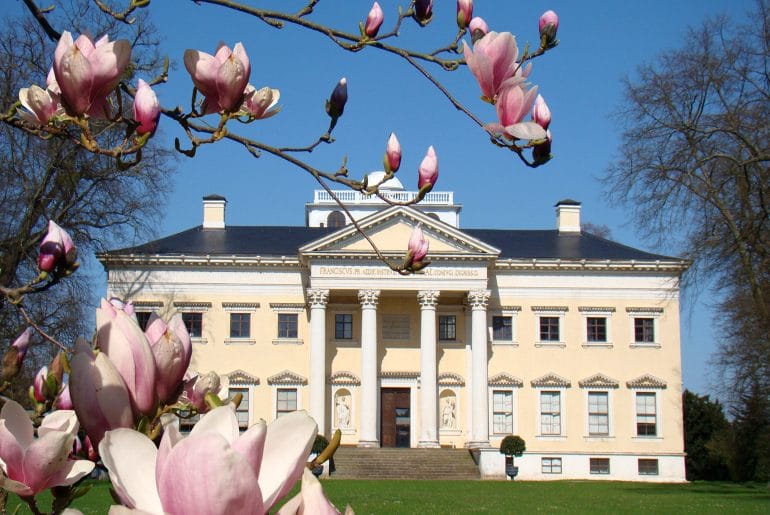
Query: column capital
[[478, 299], [428, 298], [317, 298], [368, 298]]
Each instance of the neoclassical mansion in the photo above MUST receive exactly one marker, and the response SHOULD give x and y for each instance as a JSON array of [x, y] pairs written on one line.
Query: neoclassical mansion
[[567, 339]]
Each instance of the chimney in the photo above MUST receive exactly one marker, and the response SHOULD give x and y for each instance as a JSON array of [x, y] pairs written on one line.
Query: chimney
[[568, 216], [214, 212]]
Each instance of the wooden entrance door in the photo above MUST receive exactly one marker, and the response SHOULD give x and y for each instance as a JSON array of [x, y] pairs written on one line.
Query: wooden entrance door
[[395, 417]]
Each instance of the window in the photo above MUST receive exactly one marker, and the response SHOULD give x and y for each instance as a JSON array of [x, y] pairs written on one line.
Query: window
[[599, 465], [286, 401], [240, 325], [598, 414], [447, 327], [335, 219], [242, 411], [502, 328], [502, 412], [596, 329], [646, 414], [343, 326], [550, 465], [194, 324], [550, 413], [287, 325], [142, 317], [549, 329], [644, 330], [647, 467]]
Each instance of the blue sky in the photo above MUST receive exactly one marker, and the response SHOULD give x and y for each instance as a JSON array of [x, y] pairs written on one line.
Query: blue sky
[[601, 42]]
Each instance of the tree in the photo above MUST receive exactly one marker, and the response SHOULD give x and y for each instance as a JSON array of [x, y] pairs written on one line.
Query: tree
[[750, 437], [704, 425], [693, 162]]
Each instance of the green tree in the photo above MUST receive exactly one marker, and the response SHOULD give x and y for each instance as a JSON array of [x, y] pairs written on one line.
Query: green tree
[[704, 424], [749, 459]]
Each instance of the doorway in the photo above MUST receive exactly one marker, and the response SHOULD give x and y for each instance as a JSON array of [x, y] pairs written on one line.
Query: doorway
[[395, 417]]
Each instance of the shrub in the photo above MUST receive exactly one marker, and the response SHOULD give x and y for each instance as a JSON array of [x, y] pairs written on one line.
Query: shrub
[[513, 445]]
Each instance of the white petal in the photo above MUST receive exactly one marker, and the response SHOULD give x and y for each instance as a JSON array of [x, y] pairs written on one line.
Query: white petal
[[130, 458], [60, 420], [526, 130], [220, 420], [18, 423]]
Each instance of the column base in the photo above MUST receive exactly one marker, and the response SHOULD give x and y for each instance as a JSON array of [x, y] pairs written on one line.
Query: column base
[[428, 444], [482, 444], [368, 443]]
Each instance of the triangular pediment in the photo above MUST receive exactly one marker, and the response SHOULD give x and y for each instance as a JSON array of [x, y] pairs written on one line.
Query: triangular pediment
[[241, 377], [287, 377], [505, 379], [646, 381], [551, 381], [390, 230], [450, 379], [598, 381], [344, 377]]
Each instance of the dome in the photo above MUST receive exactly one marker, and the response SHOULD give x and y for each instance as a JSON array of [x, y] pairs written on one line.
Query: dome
[[392, 184]]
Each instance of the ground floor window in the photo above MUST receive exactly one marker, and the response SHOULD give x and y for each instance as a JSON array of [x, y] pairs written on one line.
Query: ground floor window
[[648, 467], [502, 412], [242, 411], [286, 401], [599, 465], [550, 465]]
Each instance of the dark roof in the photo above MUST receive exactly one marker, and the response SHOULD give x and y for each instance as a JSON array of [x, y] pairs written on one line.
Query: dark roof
[[286, 240], [214, 196]]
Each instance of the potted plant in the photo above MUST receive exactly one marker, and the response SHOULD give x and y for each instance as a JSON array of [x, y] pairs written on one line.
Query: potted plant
[[320, 443], [512, 445]]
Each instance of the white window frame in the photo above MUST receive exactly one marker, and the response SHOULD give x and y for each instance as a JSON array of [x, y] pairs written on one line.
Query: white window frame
[[590, 312], [552, 312], [511, 312], [552, 460], [240, 307], [276, 387], [648, 312], [658, 414], [610, 414], [249, 406], [288, 309], [514, 402], [562, 413], [345, 309]]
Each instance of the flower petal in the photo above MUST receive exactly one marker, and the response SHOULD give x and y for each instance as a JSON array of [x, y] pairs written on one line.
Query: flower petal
[[130, 458], [221, 420], [18, 423], [45, 457], [72, 472], [526, 130], [251, 445], [60, 420]]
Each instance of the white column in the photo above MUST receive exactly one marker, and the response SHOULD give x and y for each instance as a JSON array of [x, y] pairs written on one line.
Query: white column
[[369, 384], [479, 381], [317, 300], [428, 387]]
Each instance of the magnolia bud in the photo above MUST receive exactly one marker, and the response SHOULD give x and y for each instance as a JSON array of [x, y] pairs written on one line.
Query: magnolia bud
[[464, 13], [423, 11], [478, 28], [374, 21], [335, 106], [392, 159], [146, 109], [548, 25], [39, 385], [428, 171], [541, 115], [14, 356]]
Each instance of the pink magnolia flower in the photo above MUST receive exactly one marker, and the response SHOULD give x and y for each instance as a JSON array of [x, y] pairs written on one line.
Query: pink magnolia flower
[[392, 154], [14, 356], [479, 24], [172, 349], [546, 19], [30, 465], [55, 249], [98, 393], [41, 104], [197, 387], [541, 115], [39, 386], [464, 13], [493, 60], [221, 78], [146, 109], [64, 401], [310, 499], [418, 245], [513, 103], [260, 103], [374, 20], [428, 171], [213, 470], [119, 336], [87, 72]]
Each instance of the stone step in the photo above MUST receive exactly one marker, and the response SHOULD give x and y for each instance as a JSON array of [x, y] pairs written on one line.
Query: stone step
[[390, 463]]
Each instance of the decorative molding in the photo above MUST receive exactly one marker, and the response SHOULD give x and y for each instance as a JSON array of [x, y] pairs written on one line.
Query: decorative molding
[[287, 377], [428, 298], [344, 378], [240, 306], [598, 381], [505, 379], [147, 303], [287, 306], [550, 309], [188, 307], [478, 299], [317, 298], [450, 379], [551, 380], [646, 381], [596, 309], [237, 377], [399, 375], [508, 308], [644, 310], [368, 298]]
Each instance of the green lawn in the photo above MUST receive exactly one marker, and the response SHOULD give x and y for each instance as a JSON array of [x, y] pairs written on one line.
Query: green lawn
[[439, 497]]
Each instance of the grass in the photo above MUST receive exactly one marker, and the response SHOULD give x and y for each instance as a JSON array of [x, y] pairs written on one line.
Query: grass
[[573, 497]]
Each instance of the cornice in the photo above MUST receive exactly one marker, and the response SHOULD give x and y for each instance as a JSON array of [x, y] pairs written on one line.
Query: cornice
[[598, 265], [166, 260], [344, 378], [551, 380], [505, 379], [287, 377], [237, 377]]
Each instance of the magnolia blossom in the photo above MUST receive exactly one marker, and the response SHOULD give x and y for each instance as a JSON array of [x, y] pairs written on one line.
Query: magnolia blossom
[[428, 171], [541, 115], [172, 348], [87, 72], [146, 109], [464, 13], [260, 103], [213, 470], [493, 61], [374, 20], [98, 393], [30, 465], [55, 249], [39, 386], [119, 336], [41, 104], [479, 24], [548, 24], [14, 356], [221, 78], [197, 387], [392, 154], [513, 103], [418, 245], [64, 400], [310, 499]]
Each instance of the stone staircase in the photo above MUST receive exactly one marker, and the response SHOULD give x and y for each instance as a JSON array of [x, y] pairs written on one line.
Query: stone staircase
[[392, 463]]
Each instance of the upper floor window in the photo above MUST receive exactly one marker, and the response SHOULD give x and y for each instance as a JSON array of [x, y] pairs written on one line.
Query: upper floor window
[[596, 329], [343, 326], [502, 328], [447, 327], [335, 219], [240, 325], [644, 330], [287, 325], [598, 414], [646, 414], [194, 324], [549, 329]]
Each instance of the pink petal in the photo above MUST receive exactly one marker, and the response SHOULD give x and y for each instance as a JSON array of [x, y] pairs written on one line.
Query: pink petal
[[203, 475], [130, 458], [11, 452], [221, 420], [251, 445], [17, 421], [15, 487], [171, 437], [108, 62], [203, 70], [61, 420], [45, 457], [231, 82], [75, 78], [72, 472]]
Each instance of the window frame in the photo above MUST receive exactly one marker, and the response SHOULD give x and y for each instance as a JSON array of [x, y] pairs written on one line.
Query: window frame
[[288, 326], [595, 466], [652, 314], [279, 389], [551, 466], [598, 394], [509, 412], [496, 337], [560, 413], [552, 324], [241, 316], [346, 324], [647, 461], [655, 414], [199, 314], [447, 328], [554, 313]]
